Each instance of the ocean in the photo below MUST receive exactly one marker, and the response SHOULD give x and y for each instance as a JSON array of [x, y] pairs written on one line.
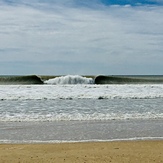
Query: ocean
[[74, 108]]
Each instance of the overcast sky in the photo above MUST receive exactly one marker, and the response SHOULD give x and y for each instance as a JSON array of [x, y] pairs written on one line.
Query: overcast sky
[[85, 37]]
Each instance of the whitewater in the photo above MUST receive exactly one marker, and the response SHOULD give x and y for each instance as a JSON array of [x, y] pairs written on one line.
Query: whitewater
[[74, 108], [52, 92]]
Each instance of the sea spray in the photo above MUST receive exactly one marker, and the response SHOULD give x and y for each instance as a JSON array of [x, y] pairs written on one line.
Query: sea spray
[[70, 79]]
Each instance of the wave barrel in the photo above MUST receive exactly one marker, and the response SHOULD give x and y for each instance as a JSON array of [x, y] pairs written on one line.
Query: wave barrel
[[128, 80], [30, 79]]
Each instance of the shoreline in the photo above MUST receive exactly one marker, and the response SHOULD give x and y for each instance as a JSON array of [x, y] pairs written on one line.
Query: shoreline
[[80, 131], [111, 151], [33, 142]]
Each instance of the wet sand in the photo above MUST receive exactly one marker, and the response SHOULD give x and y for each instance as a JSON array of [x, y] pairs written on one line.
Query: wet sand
[[98, 152]]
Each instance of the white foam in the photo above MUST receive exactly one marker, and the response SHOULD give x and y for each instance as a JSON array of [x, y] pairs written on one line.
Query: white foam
[[70, 79], [78, 141], [35, 117], [39, 92]]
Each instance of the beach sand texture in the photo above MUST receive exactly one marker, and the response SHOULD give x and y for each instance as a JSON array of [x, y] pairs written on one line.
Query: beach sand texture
[[90, 152]]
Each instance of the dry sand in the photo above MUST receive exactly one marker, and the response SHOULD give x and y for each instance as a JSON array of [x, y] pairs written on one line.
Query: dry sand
[[98, 152]]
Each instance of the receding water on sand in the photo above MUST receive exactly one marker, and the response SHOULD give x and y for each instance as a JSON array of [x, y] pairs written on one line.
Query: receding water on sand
[[79, 131]]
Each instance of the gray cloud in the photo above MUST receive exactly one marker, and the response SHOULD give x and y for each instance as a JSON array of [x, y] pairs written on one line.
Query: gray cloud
[[106, 39]]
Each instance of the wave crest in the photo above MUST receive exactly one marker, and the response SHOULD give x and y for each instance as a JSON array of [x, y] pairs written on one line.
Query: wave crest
[[70, 79], [128, 80], [30, 79]]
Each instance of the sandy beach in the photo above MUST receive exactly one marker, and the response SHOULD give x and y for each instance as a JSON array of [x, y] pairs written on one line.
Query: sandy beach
[[115, 152]]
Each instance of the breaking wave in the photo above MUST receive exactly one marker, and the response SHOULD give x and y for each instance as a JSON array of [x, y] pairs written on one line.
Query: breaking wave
[[77, 79], [70, 79], [30, 79], [128, 79]]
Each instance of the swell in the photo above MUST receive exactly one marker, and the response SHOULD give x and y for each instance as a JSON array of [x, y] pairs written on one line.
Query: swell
[[128, 80], [30, 79]]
